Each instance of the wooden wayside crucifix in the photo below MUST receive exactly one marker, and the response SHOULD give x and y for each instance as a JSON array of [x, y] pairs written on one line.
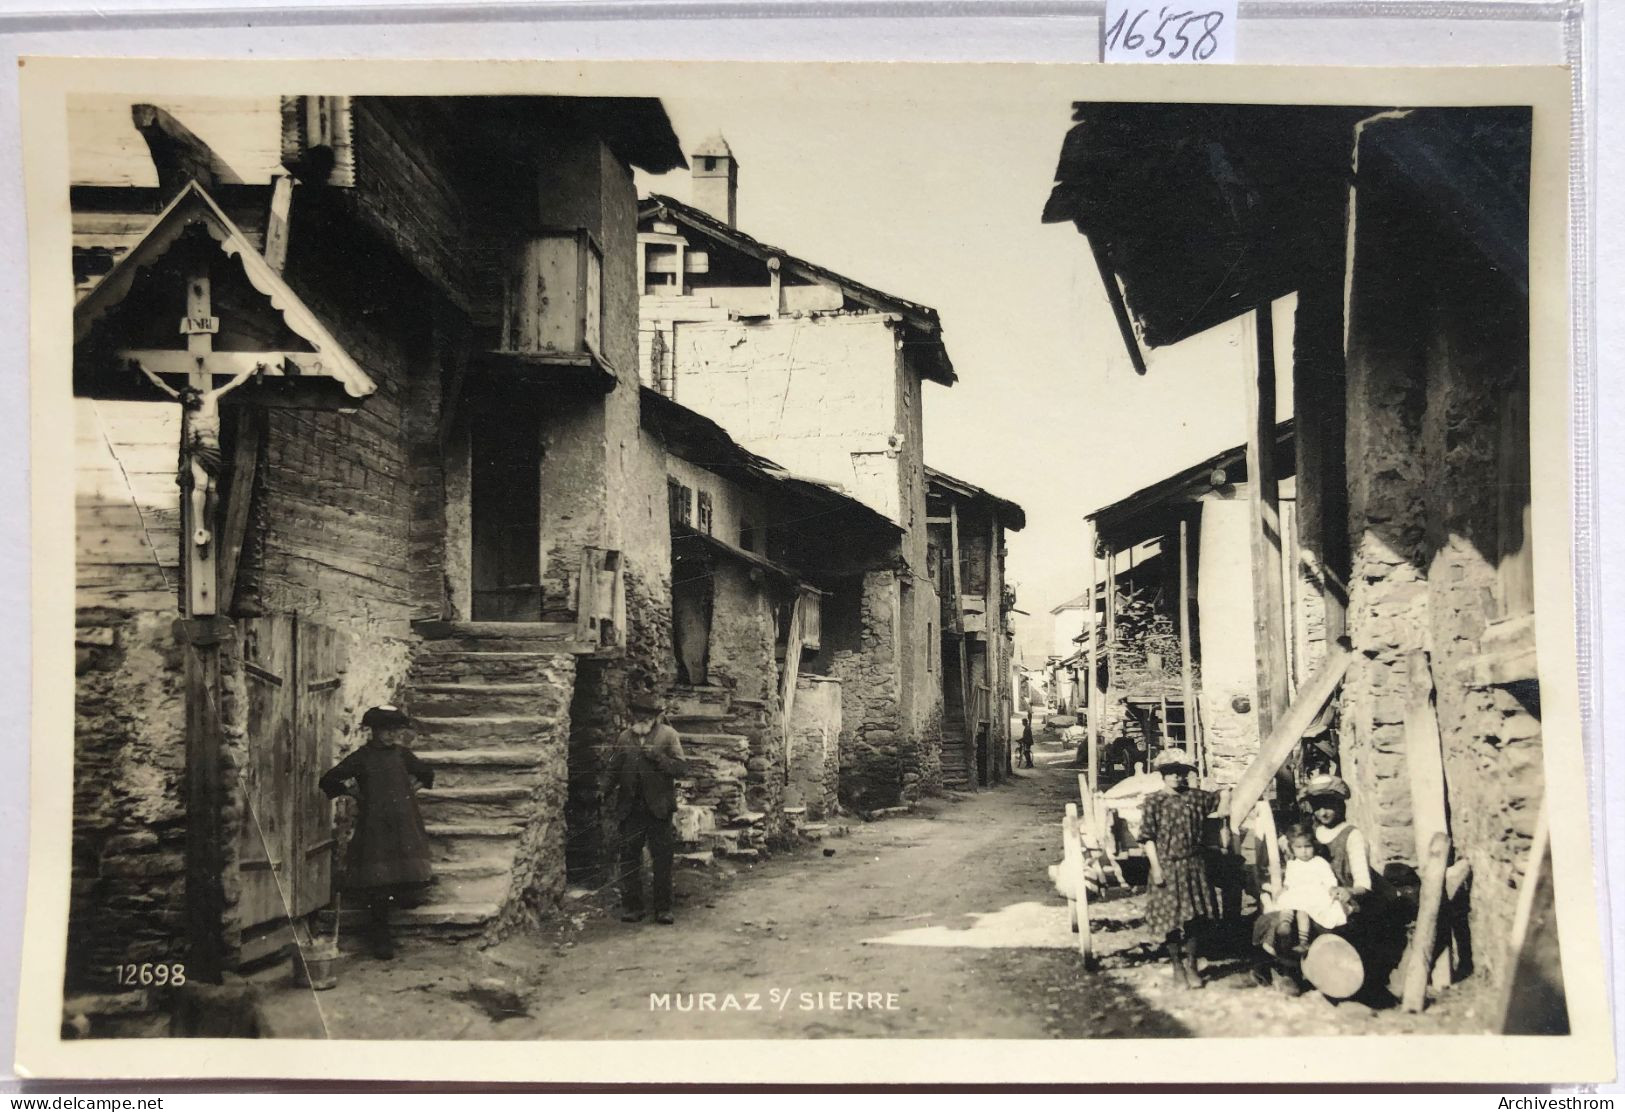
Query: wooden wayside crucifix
[[200, 451]]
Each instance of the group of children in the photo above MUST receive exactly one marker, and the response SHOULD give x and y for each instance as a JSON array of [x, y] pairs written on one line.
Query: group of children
[[1327, 884]]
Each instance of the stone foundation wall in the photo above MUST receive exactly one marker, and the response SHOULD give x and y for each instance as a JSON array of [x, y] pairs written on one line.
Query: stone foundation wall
[[1435, 347], [718, 771], [871, 726], [815, 747], [1230, 738], [598, 714], [129, 774], [538, 880], [128, 887]]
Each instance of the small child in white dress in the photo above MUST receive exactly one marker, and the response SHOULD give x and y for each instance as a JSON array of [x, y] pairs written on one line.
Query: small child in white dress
[[1308, 888]]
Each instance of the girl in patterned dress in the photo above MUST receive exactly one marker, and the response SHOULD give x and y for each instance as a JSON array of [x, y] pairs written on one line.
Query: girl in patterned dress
[[1181, 904]]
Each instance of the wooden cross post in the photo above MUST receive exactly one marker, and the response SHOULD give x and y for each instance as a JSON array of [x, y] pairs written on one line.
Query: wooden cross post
[[199, 327], [205, 863]]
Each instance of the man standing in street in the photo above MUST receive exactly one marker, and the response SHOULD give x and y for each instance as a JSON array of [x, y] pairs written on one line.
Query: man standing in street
[[642, 770]]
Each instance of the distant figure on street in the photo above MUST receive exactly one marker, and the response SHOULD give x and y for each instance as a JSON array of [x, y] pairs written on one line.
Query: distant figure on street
[[388, 860], [1181, 906], [642, 770], [1027, 741]]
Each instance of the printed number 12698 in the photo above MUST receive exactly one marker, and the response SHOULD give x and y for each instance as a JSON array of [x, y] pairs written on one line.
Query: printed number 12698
[[1168, 33], [151, 973]]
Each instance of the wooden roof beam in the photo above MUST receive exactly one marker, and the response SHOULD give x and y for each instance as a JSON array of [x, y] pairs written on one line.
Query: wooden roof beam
[[178, 154]]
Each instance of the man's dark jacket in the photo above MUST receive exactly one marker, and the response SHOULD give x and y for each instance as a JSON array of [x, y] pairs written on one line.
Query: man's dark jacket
[[645, 777]]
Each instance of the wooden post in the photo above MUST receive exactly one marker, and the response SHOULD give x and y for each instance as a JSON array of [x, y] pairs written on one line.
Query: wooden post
[[1092, 713], [1114, 294], [276, 223], [1269, 617], [1186, 681], [1424, 758], [1110, 700], [1419, 958], [205, 858], [1072, 858], [1288, 732], [1264, 829]]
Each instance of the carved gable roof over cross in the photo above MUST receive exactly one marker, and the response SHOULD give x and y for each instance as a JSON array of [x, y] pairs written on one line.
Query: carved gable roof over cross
[[141, 312]]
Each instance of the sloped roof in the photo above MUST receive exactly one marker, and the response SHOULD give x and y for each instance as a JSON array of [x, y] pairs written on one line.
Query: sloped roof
[[1011, 515], [1077, 602], [714, 147], [1181, 484], [701, 441], [921, 320], [193, 207]]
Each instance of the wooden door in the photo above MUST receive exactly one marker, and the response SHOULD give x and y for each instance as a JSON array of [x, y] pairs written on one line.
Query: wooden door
[[506, 512], [319, 662], [292, 669], [266, 841]]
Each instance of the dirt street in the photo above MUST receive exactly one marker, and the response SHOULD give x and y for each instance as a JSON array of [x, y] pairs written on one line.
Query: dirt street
[[937, 924]]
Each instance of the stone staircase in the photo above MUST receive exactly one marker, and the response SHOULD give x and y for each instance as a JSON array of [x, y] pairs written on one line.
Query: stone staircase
[[714, 816], [491, 701], [956, 773]]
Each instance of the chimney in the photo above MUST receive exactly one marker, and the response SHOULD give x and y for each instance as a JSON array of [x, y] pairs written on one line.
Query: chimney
[[716, 179]]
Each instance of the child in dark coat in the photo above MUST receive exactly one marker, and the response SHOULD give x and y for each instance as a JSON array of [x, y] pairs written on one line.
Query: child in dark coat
[[389, 850]]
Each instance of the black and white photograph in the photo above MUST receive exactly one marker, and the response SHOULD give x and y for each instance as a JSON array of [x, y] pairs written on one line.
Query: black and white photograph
[[780, 553]]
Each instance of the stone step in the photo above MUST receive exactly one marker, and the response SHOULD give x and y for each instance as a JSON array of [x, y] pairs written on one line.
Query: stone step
[[480, 731], [482, 880], [699, 704], [540, 645], [480, 666], [454, 918], [715, 741], [457, 700], [472, 841], [494, 631], [464, 637], [470, 768], [480, 803]]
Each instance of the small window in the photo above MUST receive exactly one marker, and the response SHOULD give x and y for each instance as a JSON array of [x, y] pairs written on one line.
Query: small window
[[710, 163], [660, 269], [702, 512], [678, 502], [747, 536]]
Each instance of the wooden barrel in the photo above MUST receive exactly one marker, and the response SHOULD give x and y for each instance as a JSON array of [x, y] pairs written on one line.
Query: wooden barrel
[[1334, 967]]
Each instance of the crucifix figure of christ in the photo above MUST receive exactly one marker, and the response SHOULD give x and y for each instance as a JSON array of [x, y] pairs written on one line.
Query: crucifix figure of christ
[[200, 458]]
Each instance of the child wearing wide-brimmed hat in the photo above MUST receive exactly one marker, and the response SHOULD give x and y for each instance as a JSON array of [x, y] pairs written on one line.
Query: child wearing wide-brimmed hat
[[388, 861], [1181, 906]]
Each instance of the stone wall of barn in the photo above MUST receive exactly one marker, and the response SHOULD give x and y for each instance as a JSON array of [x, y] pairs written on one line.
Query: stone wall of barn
[[871, 724], [1436, 346], [815, 747]]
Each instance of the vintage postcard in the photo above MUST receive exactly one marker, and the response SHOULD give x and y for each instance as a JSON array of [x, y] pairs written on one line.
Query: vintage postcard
[[804, 573]]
